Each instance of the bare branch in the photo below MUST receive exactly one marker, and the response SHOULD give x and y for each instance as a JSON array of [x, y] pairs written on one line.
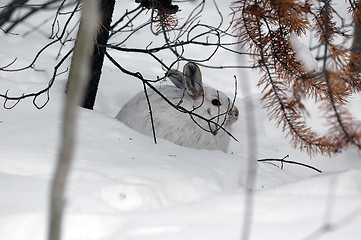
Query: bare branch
[[282, 161]]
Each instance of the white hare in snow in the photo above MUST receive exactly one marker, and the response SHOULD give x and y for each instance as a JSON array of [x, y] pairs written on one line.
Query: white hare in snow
[[205, 132]]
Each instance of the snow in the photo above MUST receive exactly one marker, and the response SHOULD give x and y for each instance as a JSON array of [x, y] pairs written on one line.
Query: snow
[[123, 186], [303, 54]]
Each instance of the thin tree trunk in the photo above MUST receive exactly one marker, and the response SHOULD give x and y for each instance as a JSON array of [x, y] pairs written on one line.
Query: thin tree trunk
[[252, 167], [106, 12], [356, 44], [79, 72]]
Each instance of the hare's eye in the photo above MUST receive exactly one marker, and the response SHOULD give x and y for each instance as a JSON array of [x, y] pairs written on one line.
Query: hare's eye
[[216, 102]]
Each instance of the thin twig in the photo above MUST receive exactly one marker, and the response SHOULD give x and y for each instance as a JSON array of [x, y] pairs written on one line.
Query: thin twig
[[282, 161]]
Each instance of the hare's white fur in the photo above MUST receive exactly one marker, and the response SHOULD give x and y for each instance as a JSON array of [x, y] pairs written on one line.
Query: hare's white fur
[[175, 126]]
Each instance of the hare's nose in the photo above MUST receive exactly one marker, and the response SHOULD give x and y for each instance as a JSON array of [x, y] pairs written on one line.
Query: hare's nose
[[233, 115], [234, 112]]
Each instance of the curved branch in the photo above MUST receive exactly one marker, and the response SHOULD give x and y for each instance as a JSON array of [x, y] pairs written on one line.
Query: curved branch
[[288, 161]]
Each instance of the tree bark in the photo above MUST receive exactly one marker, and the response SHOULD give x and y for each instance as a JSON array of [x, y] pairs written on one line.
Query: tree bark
[[79, 71], [356, 44], [106, 12]]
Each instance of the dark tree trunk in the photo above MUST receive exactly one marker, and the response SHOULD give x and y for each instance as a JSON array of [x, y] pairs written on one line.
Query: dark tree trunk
[[106, 12], [356, 46]]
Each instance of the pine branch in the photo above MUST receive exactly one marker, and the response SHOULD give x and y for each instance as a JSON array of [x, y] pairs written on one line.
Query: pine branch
[[265, 27]]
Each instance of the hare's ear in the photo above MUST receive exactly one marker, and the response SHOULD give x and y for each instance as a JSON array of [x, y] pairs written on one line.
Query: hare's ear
[[192, 79], [176, 77]]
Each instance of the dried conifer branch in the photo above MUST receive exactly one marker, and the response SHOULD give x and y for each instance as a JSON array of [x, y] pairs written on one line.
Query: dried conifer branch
[[325, 38], [269, 43], [340, 129], [266, 26]]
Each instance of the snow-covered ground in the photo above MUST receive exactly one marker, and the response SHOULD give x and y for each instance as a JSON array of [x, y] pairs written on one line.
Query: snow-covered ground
[[123, 186]]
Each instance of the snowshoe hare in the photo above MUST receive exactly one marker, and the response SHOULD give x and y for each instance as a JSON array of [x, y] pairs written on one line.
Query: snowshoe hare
[[176, 126]]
